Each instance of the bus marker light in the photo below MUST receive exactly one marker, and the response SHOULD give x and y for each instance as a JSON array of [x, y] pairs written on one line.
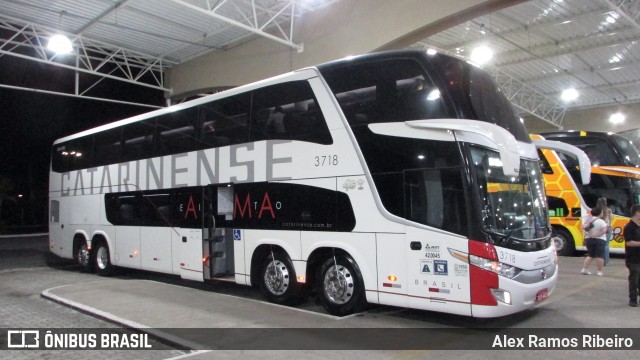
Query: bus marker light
[[459, 255], [301, 278], [392, 278], [204, 259]]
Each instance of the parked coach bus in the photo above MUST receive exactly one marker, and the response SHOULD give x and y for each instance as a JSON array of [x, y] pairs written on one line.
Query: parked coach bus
[[396, 178], [615, 175], [566, 170]]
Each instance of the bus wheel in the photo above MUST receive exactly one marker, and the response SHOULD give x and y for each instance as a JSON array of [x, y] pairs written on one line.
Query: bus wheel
[[563, 241], [103, 264], [278, 280], [340, 286], [83, 257]]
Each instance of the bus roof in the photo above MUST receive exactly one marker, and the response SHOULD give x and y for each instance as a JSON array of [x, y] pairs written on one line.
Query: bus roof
[[301, 73], [576, 133]]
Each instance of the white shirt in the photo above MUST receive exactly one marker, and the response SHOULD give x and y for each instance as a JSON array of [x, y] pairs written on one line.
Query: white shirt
[[598, 225]]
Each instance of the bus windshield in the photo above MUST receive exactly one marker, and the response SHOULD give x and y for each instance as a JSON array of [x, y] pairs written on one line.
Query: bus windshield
[[513, 207], [603, 149], [628, 152]]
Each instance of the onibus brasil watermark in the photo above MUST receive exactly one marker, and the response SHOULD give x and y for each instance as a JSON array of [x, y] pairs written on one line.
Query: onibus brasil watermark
[[82, 339]]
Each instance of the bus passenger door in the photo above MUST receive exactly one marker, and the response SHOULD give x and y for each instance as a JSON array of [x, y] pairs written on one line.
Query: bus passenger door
[[188, 236], [60, 233], [127, 234], [217, 232], [437, 261]]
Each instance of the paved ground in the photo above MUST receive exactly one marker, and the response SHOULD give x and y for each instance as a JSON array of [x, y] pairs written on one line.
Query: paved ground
[[145, 299], [23, 277]]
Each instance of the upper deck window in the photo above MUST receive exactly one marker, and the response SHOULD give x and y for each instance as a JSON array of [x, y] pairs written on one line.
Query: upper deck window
[[386, 91], [285, 111], [394, 89]]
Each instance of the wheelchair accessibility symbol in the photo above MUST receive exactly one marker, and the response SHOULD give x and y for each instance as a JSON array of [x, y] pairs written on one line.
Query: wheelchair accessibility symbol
[[236, 235]]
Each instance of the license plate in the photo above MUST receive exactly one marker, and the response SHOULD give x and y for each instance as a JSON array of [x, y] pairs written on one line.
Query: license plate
[[542, 294]]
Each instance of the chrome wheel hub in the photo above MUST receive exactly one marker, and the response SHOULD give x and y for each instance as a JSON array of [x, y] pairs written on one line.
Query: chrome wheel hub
[[102, 258], [559, 242], [83, 255], [338, 284], [276, 277]]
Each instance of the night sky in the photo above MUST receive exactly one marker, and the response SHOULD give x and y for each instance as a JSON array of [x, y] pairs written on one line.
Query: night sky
[[31, 121]]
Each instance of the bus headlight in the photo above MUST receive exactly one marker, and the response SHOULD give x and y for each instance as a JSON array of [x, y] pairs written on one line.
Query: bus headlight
[[497, 267]]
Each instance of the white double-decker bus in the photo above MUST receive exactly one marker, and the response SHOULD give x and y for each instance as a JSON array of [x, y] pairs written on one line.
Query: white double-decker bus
[[396, 178]]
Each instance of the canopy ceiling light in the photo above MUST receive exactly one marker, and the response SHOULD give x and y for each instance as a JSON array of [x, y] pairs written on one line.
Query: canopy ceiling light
[[617, 118], [481, 55], [569, 94], [60, 44]]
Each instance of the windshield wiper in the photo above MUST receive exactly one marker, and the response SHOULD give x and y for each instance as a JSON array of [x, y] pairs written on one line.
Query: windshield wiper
[[507, 237]]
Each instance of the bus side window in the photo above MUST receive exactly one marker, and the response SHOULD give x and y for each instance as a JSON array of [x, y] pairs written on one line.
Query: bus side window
[[127, 214], [176, 132], [137, 140], [288, 111], [121, 209], [266, 123], [615, 189], [235, 129], [224, 122], [544, 164], [72, 155], [209, 138], [308, 124], [107, 145], [155, 210], [387, 103]]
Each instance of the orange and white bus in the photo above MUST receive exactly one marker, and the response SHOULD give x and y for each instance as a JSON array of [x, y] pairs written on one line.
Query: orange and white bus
[[563, 167], [615, 175]]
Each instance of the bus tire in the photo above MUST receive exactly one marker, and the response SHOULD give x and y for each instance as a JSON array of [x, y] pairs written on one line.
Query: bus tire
[[340, 286], [102, 260], [563, 241], [83, 256], [277, 280]]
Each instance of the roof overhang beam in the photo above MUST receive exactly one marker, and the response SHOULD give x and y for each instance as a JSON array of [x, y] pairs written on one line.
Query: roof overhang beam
[[252, 21]]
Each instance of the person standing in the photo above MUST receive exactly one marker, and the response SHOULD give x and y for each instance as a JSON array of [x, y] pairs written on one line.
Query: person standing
[[632, 253], [596, 232], [606, 216]]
